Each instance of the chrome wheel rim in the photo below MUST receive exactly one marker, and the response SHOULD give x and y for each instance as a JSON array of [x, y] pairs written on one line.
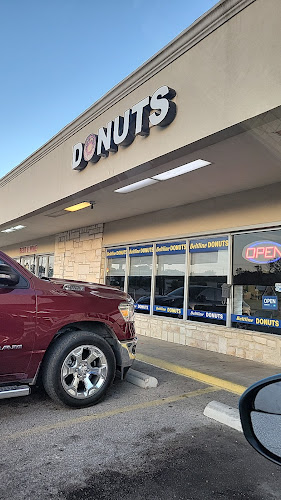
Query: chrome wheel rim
[[84, 371]]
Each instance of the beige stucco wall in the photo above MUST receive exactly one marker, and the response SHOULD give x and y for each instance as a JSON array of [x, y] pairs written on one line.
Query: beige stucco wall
[[44, 245], [217, 86], [257, 207]]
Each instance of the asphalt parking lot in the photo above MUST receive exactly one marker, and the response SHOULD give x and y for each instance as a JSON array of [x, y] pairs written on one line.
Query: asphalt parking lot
[[153, 444]]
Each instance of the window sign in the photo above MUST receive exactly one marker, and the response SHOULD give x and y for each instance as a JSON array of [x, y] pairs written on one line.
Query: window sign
[[209, 244], [170, 248], [169, 311], [260, 324], [115, 253], [262, 252], [141, 250], [141, 307], [269, 302], [206, 314], [257, 258], [29, 249]]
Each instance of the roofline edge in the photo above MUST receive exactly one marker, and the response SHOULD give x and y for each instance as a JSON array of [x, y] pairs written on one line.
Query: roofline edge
[[191, 36]]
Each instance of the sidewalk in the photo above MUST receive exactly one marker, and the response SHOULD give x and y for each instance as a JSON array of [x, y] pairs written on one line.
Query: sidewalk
[[230, 368]]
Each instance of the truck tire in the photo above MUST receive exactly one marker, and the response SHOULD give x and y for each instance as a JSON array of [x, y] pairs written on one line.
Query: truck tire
[[78, 369]]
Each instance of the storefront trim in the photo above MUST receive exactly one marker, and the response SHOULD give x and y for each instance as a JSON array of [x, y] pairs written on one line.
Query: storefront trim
[[222, 232]]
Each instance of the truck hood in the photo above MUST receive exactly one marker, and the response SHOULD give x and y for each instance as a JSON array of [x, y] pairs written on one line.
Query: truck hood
[[86, 288]]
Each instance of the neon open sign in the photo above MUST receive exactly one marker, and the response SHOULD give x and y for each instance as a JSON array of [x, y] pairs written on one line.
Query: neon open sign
[[262, 252]]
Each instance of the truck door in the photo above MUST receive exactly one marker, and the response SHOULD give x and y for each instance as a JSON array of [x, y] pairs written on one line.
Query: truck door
[[17, 328]]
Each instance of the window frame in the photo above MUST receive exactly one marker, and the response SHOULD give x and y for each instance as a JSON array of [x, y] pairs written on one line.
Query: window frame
[[261, 325], [36, 257], [132, 256], [185, 240]]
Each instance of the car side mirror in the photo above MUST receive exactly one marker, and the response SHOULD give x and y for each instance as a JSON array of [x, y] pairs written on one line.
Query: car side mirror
[[260, 414], [8, 276]]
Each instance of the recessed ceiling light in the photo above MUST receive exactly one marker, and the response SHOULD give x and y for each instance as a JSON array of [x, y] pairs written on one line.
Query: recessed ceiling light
[[79, 206], [136, 185], [183, 169], [12, 229]]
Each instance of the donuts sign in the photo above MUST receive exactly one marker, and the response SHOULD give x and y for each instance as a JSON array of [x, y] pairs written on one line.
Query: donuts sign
[[262, 252], [158, 110]]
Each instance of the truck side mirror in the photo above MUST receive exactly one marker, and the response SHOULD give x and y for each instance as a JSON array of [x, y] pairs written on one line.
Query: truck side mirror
[[8, 276], [260, 414]]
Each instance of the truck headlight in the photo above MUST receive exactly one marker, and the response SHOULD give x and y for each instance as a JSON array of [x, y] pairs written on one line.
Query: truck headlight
[[127, 310]]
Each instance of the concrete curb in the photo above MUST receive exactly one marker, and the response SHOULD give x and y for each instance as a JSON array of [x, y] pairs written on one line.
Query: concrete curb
[[141, 379], [224, 414]]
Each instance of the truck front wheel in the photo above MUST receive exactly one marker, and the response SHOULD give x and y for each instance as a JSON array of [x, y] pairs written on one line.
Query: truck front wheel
[[78, 369]]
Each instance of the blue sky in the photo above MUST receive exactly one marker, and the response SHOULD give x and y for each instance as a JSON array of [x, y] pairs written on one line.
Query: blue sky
[[59, 56]]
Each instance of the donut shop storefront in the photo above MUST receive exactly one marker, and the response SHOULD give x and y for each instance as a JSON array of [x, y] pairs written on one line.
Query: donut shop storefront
[[168, 187]]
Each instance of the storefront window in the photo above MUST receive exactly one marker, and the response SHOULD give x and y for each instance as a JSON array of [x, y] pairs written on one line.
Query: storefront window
[[51, 266], [40, 265], [116, 267], [257, 281], [169, 281], [28, 261], [208, 271], [139, 280]]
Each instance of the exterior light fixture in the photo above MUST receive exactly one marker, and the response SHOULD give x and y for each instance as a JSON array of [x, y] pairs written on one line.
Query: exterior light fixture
[[12, 229], [183, 169], [174, 172], [136, 185], [80, 206]]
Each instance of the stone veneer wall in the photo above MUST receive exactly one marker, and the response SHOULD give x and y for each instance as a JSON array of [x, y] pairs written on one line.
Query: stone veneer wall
[[78, 254], [260, 347]]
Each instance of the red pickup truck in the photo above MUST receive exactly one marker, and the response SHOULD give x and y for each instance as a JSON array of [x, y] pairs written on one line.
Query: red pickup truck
[[73, 335]]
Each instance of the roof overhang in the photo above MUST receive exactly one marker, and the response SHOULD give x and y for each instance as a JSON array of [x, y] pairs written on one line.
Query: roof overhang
[[242, 157]]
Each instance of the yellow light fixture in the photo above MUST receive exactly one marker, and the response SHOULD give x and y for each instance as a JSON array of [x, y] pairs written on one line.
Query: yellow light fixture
[[79, 206]]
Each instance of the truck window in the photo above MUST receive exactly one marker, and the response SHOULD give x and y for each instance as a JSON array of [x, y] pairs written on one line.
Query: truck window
[[23, 283]]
